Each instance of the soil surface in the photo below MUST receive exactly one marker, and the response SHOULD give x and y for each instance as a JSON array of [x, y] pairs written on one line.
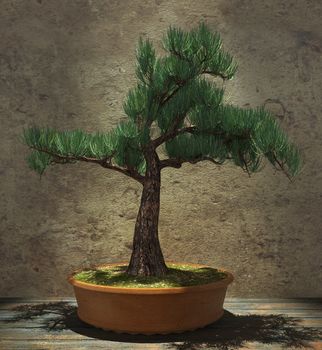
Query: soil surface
[[178, 276]]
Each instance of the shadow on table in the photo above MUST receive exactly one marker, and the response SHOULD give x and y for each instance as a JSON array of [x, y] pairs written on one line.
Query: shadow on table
[[230, 332]]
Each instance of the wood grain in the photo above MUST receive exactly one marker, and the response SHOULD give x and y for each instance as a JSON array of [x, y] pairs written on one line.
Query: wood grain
[[251, 323]]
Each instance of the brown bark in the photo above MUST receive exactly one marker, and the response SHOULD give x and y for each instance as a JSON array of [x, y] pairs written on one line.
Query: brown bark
[[147, 258], [105, 163]]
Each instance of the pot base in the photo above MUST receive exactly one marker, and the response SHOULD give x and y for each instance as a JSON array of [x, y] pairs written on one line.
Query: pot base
[[164, 333]]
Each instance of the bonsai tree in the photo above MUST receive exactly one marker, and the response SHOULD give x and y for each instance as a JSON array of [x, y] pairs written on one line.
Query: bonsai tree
[[173, 94]]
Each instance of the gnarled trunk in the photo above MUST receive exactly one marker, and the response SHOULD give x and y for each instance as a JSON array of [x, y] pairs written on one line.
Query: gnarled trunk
[[147, 258]]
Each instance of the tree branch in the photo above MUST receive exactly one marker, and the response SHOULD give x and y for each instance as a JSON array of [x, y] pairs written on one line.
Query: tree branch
[[171, 133], [163, 102], [224, 77], [183, 58], [245, 163], [192, 130], [282, 167], [105, 163], [176, 163], [164, 99]]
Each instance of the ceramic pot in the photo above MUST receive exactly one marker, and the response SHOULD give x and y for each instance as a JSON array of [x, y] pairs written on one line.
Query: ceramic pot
[[150, 310]]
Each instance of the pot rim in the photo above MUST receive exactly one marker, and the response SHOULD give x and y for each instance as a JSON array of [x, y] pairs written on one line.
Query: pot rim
[[168, 290]]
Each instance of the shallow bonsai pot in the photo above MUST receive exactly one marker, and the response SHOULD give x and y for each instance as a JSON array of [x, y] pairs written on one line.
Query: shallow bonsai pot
[[150, 310]]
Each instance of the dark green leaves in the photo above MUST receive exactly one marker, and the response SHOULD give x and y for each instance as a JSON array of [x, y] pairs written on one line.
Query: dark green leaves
[[269, 140], [70, 143], [128, 151], [245, 136], [38, 161], [222, 64], [188, 147], [136, 103], [177, 107], [123, 144], [145, 55], [171, 92], [200, 47], [162, 79]]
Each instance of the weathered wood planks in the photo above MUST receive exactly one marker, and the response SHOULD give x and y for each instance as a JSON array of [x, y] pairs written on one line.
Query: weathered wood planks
[[247, 324]]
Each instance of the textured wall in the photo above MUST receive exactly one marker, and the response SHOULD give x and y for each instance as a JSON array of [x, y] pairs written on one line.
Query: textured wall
[[69, 64]]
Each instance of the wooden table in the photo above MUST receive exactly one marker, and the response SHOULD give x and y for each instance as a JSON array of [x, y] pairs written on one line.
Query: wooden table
[[52, 324]]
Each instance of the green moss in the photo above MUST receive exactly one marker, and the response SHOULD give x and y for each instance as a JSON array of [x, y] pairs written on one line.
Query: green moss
[[178, 276]]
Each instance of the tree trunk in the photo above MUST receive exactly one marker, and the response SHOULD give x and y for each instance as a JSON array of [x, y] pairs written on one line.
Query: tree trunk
[[147, 258]]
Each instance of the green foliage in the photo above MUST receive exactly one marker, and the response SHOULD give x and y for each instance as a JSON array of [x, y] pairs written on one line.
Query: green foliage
[[176, 69], [70, 143], [191, 54], [195, 97], [128, 150], [38, 161], [172, 92], [163, 81], [178, 106], [136, 102], [52, 146], [140, 105], [202, 48], [189, 147], [245, 136], [207, 99], [145, 55]]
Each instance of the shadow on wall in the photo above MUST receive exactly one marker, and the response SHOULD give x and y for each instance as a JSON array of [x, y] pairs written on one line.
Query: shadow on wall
[[230, 332]]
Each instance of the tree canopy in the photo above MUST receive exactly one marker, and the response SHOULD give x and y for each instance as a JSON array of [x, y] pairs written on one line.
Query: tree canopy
[[173, 92]]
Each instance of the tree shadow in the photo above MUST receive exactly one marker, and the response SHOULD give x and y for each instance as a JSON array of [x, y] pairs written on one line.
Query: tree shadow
[[230, 332]]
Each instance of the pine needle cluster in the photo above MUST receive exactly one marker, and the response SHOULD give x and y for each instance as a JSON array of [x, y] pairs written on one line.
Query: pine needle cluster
[[173, 92]]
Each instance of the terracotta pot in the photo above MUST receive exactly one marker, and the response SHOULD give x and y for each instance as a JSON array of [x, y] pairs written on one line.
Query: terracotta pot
[[150, 310]]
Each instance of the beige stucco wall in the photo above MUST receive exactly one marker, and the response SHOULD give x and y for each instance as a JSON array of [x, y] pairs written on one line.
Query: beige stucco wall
[[69, 64]]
